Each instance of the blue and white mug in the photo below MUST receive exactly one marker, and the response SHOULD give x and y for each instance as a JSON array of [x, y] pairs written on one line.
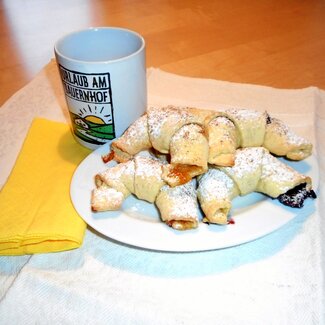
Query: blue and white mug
[[103, 72]]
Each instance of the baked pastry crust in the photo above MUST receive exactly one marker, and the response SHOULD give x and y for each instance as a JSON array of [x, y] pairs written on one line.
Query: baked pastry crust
[[255, 170], [142, 176], [282, 141], [195, 138], [178, 206]]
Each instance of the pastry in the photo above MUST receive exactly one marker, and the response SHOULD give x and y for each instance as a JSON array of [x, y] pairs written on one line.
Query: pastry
[[254, 170], [195, 138], [142, 176], [282, 141], [178, 206]]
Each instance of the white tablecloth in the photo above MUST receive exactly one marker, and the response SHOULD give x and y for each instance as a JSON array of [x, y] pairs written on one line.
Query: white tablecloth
[[277, 279]]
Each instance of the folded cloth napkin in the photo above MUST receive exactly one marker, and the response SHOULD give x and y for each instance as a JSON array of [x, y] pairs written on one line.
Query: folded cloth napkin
[[36, 214]]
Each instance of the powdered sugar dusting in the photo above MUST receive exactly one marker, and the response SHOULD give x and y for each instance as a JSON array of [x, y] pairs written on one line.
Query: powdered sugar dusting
[[117, 171], [107, 193], [184, 203], [106, 198], [215, 184], [292, 137], [221, 120], [247, 160], [188, 132], [157, 118], [148, 167], [245, 114], [136, 130], [276, 171], [295, 139]]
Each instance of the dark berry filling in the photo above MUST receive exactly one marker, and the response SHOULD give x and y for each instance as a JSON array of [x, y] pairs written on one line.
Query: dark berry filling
[[268, 119], [295, 197]]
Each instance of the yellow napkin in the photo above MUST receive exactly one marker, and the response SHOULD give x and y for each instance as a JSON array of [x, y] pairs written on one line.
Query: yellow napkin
[[36, 213]]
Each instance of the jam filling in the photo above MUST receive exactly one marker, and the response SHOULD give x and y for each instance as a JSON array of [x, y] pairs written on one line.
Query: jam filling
[[107, 158], [295, 197]]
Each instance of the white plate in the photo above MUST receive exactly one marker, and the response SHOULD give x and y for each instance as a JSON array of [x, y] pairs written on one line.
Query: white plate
[[138, 223]]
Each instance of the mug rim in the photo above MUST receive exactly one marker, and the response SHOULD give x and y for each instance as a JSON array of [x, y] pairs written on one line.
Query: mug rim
[[139, 36]]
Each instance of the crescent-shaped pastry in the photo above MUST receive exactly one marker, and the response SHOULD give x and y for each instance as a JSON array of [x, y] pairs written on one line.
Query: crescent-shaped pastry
[[142, 176], [195, 138], [255, 170], [282, 141], [178, 206]]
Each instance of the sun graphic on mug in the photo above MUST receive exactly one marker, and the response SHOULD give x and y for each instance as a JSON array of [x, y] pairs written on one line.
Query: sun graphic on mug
[[94, 119], [93, 124], [95, 114]]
